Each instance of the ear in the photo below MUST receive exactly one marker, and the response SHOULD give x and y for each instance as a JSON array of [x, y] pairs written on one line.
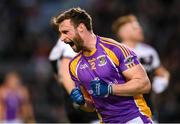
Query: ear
[[81, 27]]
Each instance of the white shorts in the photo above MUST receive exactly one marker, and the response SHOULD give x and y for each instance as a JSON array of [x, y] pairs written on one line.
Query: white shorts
[[137, 120], [15, 121]]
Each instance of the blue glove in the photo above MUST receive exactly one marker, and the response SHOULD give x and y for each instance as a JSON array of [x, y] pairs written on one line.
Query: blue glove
[[101, 88], [77, 96]]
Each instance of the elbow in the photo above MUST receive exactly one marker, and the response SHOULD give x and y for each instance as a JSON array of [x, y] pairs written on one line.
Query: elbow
[[147, 86]]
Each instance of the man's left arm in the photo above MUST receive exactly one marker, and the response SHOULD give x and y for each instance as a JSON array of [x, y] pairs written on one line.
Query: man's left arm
[[137, 82]]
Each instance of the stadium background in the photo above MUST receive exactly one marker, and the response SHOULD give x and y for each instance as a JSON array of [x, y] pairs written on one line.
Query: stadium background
[[26, 39]]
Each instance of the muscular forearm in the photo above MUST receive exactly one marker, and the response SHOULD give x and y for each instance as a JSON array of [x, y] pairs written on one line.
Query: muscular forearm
[[69, 85], [132, 87]]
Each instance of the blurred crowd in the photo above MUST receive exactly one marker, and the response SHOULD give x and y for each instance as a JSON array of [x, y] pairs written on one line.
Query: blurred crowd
[[26, 38]]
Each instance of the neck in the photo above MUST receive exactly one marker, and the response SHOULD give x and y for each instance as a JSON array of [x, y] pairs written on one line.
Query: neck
[[89, 42], [129, 43]]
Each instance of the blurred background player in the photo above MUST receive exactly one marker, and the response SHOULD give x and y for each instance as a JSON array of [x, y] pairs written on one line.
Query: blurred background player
[[60, 57], [15, 106], [129, 31]]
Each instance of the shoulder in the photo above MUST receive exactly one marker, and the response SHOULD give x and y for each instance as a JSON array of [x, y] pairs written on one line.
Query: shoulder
[[118, 52], [115, 46], [112, 44], [109, 41], [23, 92], [75, 60], [74, 63]]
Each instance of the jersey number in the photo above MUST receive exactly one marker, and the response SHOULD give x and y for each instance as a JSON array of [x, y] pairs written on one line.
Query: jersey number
[[93, 65]]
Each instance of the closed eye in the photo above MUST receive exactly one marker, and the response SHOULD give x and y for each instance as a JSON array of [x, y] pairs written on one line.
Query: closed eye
[[63, 32]]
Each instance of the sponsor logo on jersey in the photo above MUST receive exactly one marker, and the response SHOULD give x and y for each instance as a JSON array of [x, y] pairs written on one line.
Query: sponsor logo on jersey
[[83, 66]]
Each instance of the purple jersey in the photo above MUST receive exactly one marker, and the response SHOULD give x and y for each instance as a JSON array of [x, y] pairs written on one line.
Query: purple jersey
[[107, 62], [13, 103]]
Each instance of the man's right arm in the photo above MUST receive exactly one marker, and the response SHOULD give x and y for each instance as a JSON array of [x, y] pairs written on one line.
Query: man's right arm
[[64, 76], [137, 82], [79, 95]]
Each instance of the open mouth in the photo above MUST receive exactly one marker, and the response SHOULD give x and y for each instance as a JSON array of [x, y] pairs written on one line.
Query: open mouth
[[70, 43]]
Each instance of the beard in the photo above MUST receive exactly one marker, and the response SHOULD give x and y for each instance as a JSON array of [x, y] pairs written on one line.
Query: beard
[[78, 43]]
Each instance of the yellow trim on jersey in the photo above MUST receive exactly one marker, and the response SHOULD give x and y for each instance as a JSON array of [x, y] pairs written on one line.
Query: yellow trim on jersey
[[73, 66], [85, 53], [124, 50], [111, 54], [99, 117], [109, 39], [141, 104]]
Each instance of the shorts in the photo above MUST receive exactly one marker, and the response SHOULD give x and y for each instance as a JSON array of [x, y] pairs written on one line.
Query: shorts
[[140, 120]]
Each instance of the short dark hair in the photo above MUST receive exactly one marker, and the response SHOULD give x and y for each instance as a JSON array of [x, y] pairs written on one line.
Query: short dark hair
[[76, 15]]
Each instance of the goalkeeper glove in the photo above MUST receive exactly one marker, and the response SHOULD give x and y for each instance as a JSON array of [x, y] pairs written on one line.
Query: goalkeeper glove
[[77, 96], [101, 88]]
